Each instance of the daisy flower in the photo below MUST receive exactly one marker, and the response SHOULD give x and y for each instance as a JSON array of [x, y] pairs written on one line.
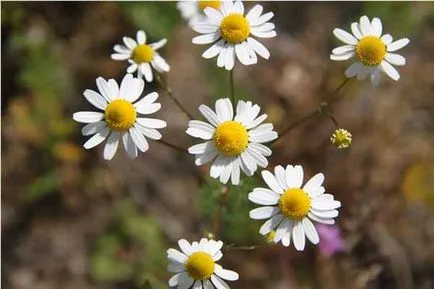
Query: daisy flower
[[232, 33], [195, 266], [141, 56], [372, 51], [291, 208], [192, 11], [235, 141], [118, 117]]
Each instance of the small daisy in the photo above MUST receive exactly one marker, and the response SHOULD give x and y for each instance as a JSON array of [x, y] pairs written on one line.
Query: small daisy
[[372, 51], [141, 56], [192, 11], [118, 118], [235, 141], [196, 266], [289, 207], [231, 33]]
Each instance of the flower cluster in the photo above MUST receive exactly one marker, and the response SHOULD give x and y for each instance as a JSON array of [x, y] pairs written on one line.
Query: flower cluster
[[233, 137]]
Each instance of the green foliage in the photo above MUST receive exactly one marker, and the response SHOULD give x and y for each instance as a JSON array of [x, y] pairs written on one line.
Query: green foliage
[[132, 249], [236, 226], [389, 12], [42, 186], [143, 15]]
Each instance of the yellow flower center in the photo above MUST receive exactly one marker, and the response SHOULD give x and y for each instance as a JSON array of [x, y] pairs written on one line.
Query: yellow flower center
[[120, 115], [371, 50], [341, 138], [200, 266], [231, 138], [294, 204], [142, 53], [234, 28], [213, 4]]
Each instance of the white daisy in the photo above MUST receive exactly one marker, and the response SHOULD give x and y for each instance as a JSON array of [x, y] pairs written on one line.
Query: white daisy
[[141, 56], [118, 116], [196, 265], [235, 141], [232, 33], [289, 207], [192, 11], [372, 51]]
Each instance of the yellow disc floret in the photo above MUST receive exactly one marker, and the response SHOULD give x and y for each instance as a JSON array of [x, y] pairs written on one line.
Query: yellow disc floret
[[120, 115], [142, 53], [294, 204], [231, 138], [200, 266], [213, 4], [371, 50], [234, 28], [341, 138]]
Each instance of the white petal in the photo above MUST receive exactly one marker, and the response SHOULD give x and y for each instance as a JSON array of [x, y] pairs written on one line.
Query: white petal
[[272, 182], [111, 145], [258, 157], [261, 19], [149, 132], [365, 26], [395, 59], [160, 64], [230, 58], [260, 148], [375, 77], [355, 28], [213, 14], [398, 44], [325, 205], [185, 246], [238, 7], [185, 282], [120, 56], [206, 38], [200, 129], [214, 50], [176, 267], [343, 56], [390, 70], [224, 110], [235, 173], [201, 148], [219, 283], [205, 28], [280, 174], [227, 274], [325, 214], [141, 37], [210, 115], [88, 116], [207, 284], [294, 176], [254, 13], [159, 44], [266, 27], [268, 34], [310, 231], [271, 224], [97, 139], [173, 281], [243, 54], [206, 157], [314, 182], [343, 49], [104, 89], [93, 128], [146, 70], [197, 285], [298, 236], [353, 69], [129, 42], [262, 137], [263, 196], [139, 139], [148, 99], [263, 213], [121, 49], [176, 256], [344, 36], [151, 122], [258, 47], [387, 39], [248, 164], [325, 221], [129, 145], [226, 173], [376, 27], [132, 68], [222, 56]]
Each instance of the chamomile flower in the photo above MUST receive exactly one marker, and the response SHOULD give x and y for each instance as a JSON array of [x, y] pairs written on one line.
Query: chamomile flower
[[372, 50], [141, 56], [290, 207], [118, 116], [192, 11], [237, 142], [232, 33], [195, 266]]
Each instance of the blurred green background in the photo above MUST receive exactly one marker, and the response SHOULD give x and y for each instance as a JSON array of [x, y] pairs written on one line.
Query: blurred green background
[[72, 220]]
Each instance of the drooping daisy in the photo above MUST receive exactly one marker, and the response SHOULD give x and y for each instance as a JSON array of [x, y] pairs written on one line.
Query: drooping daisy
[[119, 117], [237, 142], [232, 33], [289, 207], [372, 51], [195, 266], [141, 56], [192, 11]]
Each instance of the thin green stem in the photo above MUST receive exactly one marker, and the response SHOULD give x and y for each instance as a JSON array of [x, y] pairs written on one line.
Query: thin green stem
[[319, 110], [175, 147], [231, 87], [232, 247], [220, 210], [164, 86]]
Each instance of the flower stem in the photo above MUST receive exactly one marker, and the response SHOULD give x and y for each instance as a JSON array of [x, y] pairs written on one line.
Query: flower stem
[[172, 97], [231, 87], [220, 210], [232, 247], [319, 110], [175, 147]]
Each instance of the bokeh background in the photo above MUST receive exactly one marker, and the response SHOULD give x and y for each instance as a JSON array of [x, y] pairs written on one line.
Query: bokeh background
[[71, 220]]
